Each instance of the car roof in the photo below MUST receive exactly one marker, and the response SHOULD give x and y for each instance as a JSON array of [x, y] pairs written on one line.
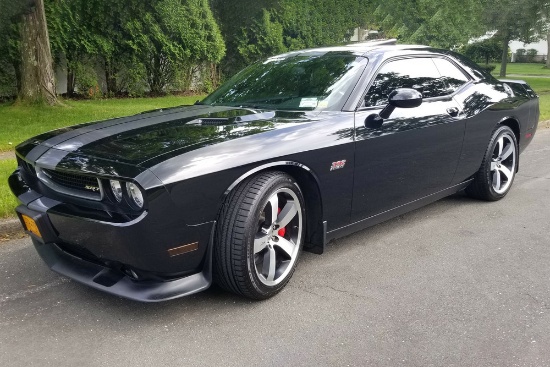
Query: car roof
[[362, 48]]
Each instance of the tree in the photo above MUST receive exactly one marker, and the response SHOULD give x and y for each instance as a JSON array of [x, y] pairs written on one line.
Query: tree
[[543, 27], [70, 35], [485, 50], [36, 71], [235, 25], [445, 24], [271, 27], [170, 35], [513, 20], [10, 59]]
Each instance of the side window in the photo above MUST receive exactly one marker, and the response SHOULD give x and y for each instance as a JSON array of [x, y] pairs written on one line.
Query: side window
[[451, 75], [420, 74]]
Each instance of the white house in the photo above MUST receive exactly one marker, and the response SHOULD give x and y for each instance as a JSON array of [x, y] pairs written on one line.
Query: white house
[[541, 46]]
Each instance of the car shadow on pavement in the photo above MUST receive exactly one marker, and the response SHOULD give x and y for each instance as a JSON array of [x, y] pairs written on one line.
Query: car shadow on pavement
[[214, 300]]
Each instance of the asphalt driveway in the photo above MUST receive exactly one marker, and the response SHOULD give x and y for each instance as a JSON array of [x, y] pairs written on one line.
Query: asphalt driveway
[[457, 283]]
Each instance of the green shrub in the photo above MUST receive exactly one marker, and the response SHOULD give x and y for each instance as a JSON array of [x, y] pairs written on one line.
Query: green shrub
[[531, 54], [86, 82], [131, 79]]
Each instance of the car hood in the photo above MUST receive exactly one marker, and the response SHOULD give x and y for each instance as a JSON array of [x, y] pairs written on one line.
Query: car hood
[[156, 135]]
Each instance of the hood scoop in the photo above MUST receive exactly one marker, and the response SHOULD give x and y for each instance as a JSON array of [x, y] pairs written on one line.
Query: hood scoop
[[212, 121], [222, 121]]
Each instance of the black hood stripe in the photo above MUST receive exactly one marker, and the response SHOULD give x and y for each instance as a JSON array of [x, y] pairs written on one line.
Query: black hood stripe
[[74, 144], [72, 140]]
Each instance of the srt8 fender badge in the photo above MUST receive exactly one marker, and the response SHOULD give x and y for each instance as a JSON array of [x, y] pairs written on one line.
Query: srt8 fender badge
[[338, 165]]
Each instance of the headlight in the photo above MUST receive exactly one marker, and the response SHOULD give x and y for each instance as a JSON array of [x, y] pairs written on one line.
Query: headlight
[[116, 187], [135, 194]]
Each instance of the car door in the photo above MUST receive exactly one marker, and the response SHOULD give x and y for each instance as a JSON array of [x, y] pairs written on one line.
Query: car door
[[415, 152]]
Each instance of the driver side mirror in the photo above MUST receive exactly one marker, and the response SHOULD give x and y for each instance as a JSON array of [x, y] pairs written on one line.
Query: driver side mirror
[[399, 98]]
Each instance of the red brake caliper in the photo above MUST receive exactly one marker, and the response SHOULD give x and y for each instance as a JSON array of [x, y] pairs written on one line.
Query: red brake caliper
[[282, 231]]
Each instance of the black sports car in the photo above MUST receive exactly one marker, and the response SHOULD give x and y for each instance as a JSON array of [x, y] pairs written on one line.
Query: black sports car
[[288, 154]]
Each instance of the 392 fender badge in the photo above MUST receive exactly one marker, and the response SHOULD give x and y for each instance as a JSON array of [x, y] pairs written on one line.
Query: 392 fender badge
[[338, 165]]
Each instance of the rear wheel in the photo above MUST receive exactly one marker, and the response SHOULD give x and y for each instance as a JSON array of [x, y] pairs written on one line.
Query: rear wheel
[[259, 236], [496, 174]]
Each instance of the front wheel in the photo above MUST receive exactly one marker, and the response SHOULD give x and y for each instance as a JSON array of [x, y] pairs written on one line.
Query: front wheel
[[259, 236], [496, 174]]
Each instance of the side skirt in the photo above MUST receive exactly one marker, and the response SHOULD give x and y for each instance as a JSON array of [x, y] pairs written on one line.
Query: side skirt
[[392, 213]]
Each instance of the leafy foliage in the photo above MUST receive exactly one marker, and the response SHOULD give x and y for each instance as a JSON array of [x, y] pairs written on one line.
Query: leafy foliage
[[159, 45], [271, 27], [445, 24], [168, 35], [139, 45], [9, 46], [485, 50], [514, 20]]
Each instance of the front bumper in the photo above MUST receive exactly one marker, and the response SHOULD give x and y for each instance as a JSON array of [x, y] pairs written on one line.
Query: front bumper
[[116, 282], [134, 259]]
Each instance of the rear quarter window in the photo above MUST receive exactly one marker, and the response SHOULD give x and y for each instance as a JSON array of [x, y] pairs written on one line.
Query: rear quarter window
[[452, 76]]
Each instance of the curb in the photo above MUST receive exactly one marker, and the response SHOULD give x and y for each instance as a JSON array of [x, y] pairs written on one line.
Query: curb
[[10, 226]]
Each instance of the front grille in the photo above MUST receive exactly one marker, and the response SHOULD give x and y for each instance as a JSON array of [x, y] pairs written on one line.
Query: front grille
[[71, 184], [73, 181]]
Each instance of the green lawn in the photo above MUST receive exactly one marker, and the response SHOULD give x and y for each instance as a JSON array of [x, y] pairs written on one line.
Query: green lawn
[[542, 87], [523, 69], [538, 78], [544, 110], [7, 200], [18, 123]]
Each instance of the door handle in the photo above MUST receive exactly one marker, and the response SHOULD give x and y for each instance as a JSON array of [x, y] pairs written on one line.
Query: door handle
[[453, 111]]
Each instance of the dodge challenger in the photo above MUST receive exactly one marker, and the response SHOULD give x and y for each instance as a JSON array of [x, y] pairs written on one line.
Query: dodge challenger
[[290, 153]]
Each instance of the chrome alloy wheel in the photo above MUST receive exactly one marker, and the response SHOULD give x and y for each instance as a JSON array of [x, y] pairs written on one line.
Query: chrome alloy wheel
[[503, 163], [277, 242]]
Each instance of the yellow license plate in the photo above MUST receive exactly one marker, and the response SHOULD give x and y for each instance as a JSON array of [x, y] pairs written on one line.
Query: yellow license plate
[[30, 225]]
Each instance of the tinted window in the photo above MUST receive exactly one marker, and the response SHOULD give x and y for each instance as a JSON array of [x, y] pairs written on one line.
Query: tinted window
[[472, 67], [452, 76], [420, 74], [314, 80]]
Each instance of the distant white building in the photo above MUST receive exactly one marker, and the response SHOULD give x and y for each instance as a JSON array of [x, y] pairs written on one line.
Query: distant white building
[[360, 34], [541, 46]]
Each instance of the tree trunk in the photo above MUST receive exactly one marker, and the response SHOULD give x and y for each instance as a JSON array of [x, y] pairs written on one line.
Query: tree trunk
[[504, 62], [71, 80], [548, 50], [110, 79], [37, 75]]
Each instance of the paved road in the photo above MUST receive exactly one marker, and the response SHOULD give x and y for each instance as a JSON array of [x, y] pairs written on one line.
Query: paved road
[[457, 283]]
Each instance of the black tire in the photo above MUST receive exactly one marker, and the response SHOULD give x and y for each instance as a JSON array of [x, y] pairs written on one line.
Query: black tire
[[243, 219], [483, 187]]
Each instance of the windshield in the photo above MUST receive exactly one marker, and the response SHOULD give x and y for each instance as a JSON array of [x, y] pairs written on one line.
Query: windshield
[[312, 81]]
